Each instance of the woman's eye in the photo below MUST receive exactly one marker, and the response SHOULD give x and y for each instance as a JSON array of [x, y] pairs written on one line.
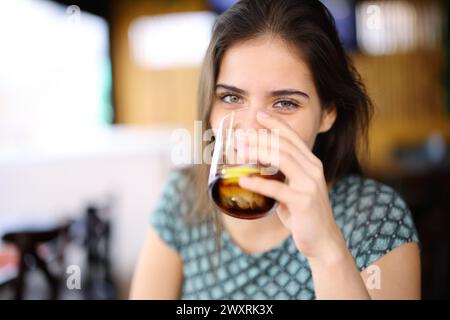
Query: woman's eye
[[229, 98], [286, 105]]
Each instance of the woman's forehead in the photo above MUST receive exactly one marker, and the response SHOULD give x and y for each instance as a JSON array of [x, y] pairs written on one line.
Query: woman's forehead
[[264, 62]]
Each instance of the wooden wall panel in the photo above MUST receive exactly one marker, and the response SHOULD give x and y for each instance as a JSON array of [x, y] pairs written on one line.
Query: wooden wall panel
[[154, 97], [409, 96]]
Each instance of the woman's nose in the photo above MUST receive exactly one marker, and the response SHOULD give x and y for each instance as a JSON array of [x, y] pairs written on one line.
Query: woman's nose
[[247, 119]]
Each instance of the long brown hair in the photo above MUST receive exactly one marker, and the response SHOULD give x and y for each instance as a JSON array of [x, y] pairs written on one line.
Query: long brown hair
[[309, 26]]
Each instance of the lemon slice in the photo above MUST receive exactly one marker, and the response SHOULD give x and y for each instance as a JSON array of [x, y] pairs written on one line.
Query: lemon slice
[[232, 174]]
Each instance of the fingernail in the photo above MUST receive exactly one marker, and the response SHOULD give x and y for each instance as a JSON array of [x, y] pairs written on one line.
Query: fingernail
[[262, 114]]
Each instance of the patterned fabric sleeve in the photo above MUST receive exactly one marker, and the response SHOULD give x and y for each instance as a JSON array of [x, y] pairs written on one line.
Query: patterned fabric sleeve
[[166, 215], [388, 224]]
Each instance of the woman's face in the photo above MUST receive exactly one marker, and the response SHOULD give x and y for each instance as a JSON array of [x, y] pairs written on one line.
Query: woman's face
[[266, 74]]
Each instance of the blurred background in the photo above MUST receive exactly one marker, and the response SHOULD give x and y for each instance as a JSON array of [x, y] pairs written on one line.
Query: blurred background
[[90, 92]]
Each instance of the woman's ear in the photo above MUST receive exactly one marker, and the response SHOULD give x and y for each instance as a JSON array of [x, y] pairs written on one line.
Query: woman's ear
[[328, 117]]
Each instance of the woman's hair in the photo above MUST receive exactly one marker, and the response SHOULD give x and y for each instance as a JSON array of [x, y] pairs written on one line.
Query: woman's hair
[[308, 26]]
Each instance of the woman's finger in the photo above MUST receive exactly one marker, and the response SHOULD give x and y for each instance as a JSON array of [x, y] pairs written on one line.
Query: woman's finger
[[281, 160], [269, 188], [285, 130], [284, 215], [299, 179], [267, 145]]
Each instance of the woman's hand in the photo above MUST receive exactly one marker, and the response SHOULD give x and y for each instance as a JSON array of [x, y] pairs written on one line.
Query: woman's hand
[[304, 203]]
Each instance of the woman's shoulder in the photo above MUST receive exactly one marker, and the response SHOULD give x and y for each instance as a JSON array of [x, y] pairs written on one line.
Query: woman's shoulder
[[366, 194], [172, 195], [177, 178], [373, 217], [168, 215]]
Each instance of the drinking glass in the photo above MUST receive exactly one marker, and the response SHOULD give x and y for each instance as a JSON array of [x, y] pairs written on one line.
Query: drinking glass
[[232, 159]]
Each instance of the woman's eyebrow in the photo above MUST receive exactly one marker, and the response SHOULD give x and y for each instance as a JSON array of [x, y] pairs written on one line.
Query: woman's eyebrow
[[231, 88], [288, 92], [276, 93]]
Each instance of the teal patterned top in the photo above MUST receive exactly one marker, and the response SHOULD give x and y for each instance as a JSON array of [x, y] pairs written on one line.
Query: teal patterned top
[[372, 217]]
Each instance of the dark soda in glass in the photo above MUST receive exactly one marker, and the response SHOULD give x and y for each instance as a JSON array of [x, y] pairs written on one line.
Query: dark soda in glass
[[229, 197]]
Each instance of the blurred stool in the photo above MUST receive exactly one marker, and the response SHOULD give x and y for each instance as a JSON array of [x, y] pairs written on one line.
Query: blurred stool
[[27, 241]]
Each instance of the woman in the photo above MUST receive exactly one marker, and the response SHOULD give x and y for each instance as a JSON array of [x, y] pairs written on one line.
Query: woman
[[336, 233]]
